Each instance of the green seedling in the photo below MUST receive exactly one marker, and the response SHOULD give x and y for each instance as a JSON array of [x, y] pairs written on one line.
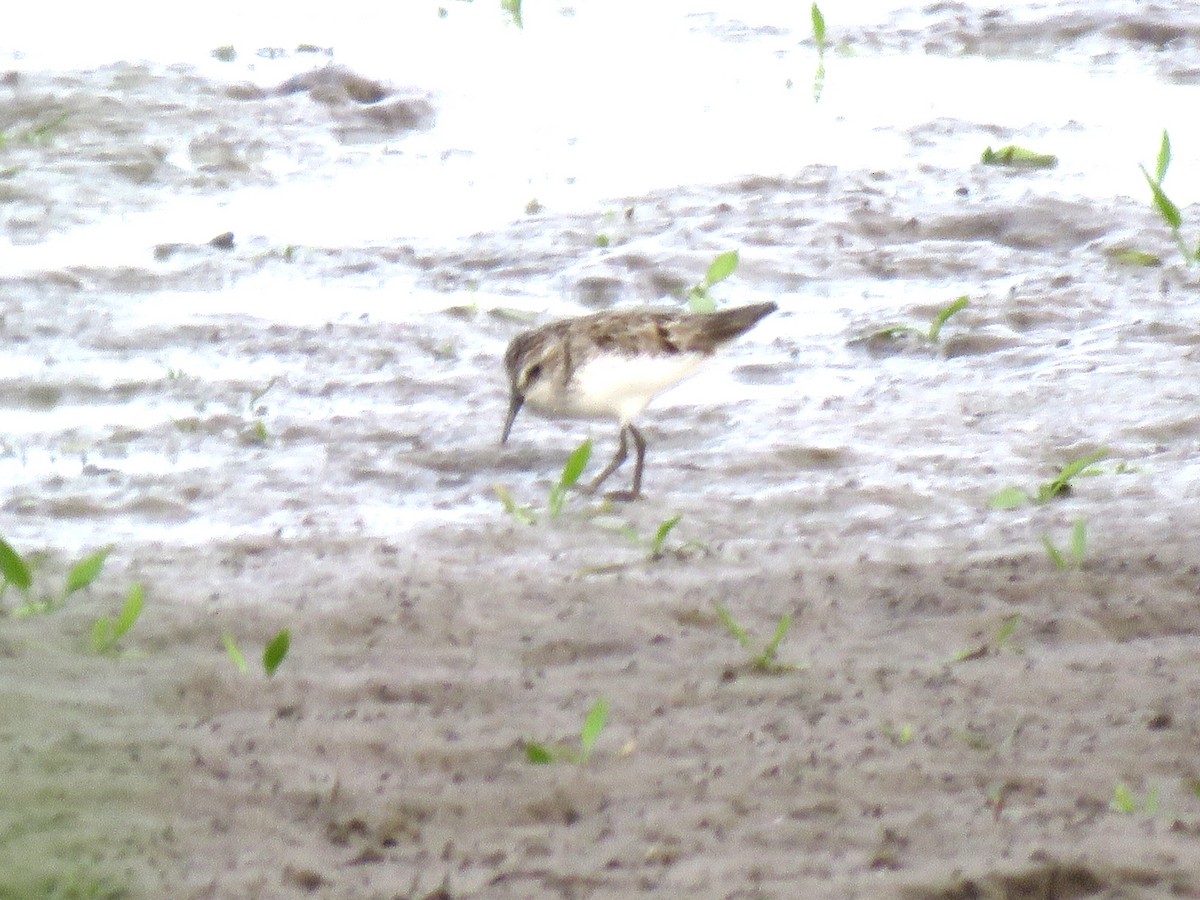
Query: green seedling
[[901, 736], [273, 655], [235, 653], [256, 432], [276, 652], [1000, 643], [764, 659], [1125, 801], [80, 576], [593, 725], [1018, 158], [660, 537], [1128, 256], [106, 632], [943, 315], [1060, 485], [523, 513], [656, 546], [976, 740], [13, 569], [571, 473], [818, 27], [1076, 550], [1167, 209], [35, 134], [931, 334], [557, 498], [513, 9], [698, 296]]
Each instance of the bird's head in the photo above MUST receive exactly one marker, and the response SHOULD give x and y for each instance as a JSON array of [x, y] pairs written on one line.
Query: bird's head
[[523, 361]]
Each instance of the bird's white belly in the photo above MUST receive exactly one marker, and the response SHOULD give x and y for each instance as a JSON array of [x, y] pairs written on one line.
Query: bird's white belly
[[621, 386]]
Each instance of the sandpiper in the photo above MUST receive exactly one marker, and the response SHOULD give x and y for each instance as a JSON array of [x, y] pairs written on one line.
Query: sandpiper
[[612, 364]]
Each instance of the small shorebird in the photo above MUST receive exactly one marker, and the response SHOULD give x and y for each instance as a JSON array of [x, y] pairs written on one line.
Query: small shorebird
[[614, 364]]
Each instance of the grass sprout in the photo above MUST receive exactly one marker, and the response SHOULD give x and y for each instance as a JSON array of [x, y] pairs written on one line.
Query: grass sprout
[[87, 570], [656, 545], [523, 513], [698, 296], [818, 27], [513, 9], [1060, 485], [106, 631], [571, 472], [1076, 550], [660, 536], [932, 333], [1129, 256], [1016, 157], [764, 659], [1125, 801], [276, 652], [1166, 208], [273, 654], [901, 736], [13, 569], [235, 653], [593, 726], [1001, 642], [556, 500], [80, 576]]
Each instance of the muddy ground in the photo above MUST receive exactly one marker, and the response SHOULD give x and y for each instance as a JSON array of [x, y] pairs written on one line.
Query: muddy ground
[[963, 718]]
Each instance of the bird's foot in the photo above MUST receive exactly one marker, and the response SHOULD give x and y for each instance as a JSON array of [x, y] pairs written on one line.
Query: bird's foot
[[624, 496]]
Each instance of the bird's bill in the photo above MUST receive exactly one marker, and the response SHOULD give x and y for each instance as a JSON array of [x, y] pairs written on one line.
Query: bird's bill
[[513, 408]]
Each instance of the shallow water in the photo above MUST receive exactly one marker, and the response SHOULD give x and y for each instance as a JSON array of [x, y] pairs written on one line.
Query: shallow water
[[306, 420]]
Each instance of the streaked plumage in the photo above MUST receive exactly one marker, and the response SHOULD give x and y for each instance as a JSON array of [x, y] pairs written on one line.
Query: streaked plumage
[[612, 364]]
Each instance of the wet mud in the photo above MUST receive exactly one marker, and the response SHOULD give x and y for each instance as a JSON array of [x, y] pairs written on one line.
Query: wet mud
[[269, 444]]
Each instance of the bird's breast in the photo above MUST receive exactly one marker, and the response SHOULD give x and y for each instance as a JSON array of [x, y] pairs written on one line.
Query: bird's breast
[[613, 385]]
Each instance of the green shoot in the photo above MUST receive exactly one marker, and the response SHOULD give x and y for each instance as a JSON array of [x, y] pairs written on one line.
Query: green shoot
[[513, 9], [1128, 256], [1060, 485], [1073, 558], [593, 726], [84, 572], [764, 660], [13, 569], [1125, 801], [574, 467], [80, 576], [999, 644], [935, 327], [1018, 158], [660, 537], [1164, 158], [235, 653], [522, 513], [259, 394], [106, 632], [721, 268], [1167, 209], [818, 26], [930, 334], [901, 736], [276, 651]]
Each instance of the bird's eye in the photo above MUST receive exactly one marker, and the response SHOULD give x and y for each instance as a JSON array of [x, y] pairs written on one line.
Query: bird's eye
[[533, 373]]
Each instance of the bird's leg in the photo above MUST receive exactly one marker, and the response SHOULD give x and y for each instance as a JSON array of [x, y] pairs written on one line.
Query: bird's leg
[[639, 444], [618, 458]]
